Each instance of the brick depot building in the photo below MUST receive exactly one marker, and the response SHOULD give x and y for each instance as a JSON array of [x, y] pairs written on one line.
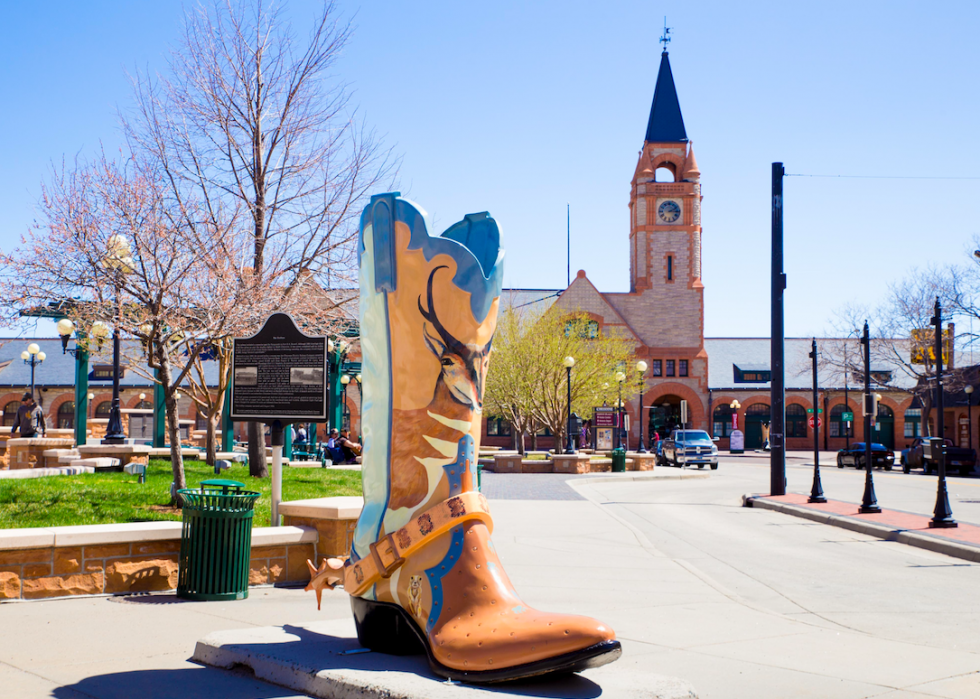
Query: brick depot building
[[663, 313]]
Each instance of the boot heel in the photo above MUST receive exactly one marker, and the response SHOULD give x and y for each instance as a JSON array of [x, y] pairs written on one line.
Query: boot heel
[[386, 628]]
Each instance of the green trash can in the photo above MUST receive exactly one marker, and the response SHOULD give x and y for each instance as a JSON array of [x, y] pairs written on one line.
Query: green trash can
[[216, 541], [479, 477], [619, 460]]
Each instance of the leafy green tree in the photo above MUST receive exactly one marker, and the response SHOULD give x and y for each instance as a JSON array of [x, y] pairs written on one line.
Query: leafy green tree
[[527, 382]]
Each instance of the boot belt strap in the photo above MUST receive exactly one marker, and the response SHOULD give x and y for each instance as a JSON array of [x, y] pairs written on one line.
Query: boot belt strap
[[388, 554]]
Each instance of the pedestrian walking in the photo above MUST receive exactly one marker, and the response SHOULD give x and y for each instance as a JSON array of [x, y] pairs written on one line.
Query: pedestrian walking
[[30, 418]]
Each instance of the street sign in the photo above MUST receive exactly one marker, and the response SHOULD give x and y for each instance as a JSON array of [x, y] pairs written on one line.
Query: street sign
[[809, 421], [279, 374], [606, 417], [847, 417]]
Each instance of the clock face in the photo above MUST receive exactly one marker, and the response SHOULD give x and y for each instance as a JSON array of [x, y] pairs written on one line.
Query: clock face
[[669, 211]]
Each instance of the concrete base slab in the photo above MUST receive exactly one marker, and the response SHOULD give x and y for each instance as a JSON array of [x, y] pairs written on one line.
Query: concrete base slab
[[316, 658]]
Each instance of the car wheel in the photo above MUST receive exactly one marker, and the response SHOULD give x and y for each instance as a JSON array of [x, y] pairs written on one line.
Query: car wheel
[[673, 462], [840, 462], [905, 466], [888, 467], [714, 467], [700, 465]]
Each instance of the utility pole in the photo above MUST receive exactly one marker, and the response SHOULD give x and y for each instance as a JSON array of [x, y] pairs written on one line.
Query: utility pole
[[777, 454], [816, 492]]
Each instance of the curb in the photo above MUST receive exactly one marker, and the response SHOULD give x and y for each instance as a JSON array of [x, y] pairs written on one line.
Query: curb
[[920, 540]]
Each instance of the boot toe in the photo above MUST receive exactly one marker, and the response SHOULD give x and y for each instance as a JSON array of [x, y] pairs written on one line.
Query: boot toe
[[511, 640]]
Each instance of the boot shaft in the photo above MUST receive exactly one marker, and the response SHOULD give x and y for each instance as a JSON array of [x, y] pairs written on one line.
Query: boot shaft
[[428, 309]]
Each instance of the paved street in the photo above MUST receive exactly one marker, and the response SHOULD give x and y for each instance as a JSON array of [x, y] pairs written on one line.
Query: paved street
[[740, 602], [797, 608]]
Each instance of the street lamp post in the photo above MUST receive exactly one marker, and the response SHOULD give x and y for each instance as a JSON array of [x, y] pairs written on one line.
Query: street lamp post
[[119, 260], [816, 492], [969, 416], [33, 357], [569, 443], [942, 516], [344, 380], [869, 503], [641, 368], [620, 377]]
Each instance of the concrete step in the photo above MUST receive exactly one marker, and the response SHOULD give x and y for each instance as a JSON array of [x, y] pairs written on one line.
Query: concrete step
[[99, 463]]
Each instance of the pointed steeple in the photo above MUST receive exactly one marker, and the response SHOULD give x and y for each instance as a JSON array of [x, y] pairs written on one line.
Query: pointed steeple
[[666, 125], [691, 172]]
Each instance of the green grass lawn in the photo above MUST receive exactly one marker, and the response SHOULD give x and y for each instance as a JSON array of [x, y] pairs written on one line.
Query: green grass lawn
[[105, 498]]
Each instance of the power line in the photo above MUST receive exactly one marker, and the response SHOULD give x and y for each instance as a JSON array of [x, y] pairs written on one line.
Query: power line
[[883, 177]]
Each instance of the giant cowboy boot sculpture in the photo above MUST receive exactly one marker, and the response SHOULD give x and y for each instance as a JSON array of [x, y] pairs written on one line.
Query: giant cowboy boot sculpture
[[423, 574]]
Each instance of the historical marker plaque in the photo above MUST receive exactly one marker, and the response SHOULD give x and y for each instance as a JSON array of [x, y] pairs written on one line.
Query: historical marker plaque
[[279, 374]]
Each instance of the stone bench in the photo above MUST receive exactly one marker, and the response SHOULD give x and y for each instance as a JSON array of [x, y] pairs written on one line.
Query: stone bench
[[333, 518], [98, 463], [44, 472]]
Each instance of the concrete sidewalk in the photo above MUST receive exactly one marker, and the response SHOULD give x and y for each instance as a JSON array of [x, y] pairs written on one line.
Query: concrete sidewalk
[[141, 646], [962, 541]]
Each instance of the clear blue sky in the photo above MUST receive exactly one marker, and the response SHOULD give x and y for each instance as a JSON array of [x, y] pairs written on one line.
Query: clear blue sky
[[519, 108]]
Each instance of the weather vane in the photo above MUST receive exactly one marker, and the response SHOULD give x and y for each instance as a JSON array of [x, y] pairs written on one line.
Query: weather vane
[[665, 39]]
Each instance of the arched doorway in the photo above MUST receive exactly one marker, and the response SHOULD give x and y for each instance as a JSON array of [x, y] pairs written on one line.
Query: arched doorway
[[10, 413], [756, 416], [884, 430], [665, 415]]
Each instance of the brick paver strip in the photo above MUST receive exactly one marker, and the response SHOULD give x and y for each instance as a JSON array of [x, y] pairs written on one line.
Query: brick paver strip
[[904, 527]]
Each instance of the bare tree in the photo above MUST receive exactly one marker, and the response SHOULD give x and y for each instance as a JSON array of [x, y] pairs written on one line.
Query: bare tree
[[248, 118], [116, 250], [902, 340]]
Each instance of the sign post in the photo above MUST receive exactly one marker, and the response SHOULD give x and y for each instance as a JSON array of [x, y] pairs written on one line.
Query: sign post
[[279, 377]]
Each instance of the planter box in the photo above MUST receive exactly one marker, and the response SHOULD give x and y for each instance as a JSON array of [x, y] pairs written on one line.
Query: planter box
[[537, 466], [571, 463], [126, 558], [29, 453], [640, 462], [600, 465], [507, 463]]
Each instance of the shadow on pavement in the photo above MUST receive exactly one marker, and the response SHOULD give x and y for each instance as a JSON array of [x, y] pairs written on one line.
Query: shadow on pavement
[[189, 683]]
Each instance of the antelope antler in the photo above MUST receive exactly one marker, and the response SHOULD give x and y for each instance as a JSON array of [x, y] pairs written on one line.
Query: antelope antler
[[452, 344]]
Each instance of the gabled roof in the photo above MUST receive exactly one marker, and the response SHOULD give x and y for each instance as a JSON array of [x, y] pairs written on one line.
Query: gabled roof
[[666, 125]]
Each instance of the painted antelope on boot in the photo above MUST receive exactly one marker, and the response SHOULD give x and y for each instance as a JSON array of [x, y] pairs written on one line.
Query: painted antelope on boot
[[431, 440]]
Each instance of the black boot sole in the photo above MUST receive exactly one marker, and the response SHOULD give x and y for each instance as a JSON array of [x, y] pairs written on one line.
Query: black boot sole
[[387, 628]]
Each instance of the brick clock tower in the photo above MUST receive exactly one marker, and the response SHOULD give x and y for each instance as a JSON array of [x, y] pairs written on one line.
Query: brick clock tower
[[665, 240]]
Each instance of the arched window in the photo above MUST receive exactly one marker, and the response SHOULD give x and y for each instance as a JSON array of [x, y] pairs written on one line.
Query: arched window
[[103, 409], [664, 173], [795, 420], [10, 413], [913, 422], [721, 421], [758, 410], [838, 427], [66, 415]]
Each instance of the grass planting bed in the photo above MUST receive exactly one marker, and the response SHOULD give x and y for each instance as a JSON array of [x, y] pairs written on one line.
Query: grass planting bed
[[108, 498]]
